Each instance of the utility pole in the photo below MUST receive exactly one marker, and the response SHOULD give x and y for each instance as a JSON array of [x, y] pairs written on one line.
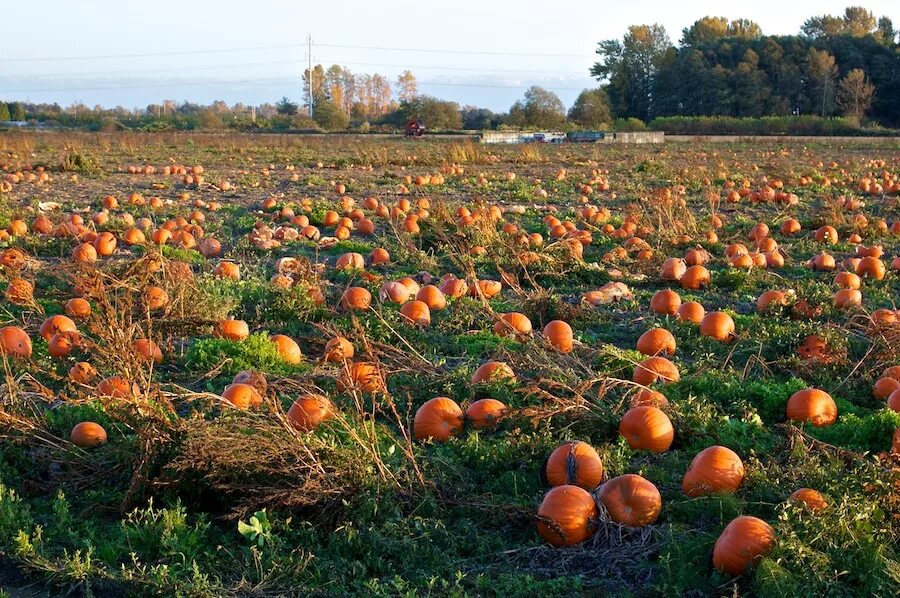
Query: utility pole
[[310, 71]]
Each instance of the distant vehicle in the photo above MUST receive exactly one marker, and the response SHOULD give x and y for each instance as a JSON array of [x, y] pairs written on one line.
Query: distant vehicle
[[415, 128], [549, 137]]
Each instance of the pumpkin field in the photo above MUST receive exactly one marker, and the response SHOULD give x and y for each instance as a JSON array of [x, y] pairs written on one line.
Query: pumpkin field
[[251, 365]]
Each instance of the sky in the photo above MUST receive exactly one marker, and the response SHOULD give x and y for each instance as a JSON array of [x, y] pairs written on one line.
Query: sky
[[484, 53]]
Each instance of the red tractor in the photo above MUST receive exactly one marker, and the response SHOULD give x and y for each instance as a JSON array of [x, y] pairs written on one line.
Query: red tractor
[[415, 128]]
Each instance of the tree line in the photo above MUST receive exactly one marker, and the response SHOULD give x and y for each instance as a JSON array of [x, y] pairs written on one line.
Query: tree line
[[846, 65]]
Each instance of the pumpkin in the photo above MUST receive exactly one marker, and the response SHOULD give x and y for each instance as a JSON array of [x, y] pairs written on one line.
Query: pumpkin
[[362, 376], [826, 234], [356, 298], [871, 267], [147, 350], [893, 401], [790, 227], [288, 349], [432, 296], [488, 288], [56, 324], [657, 341], [486, 413], [82, 373], [512, 323], [228, 270], [493, 371], [647, 428], [350, 261], [673, 268], [338, 349], [655, 368], [155, 298], [665, 302], [810, 499], [847, 298], [559, 335], [395, 292], [631, 500], [812, 405], [892, 372], [416, 312], [715, 470], [691, 312], [695, 277], [88, 435], [718, 325], [242, 395], [15, 342], [575, 463], [20, 292], [454, 287], [645, 396], [884, 387], [117, 387], [439, 418], [310, 410], [78, 307], [743, 542], [847, 280], [105, 244], [770, 300], [233, 330], [567, 516]]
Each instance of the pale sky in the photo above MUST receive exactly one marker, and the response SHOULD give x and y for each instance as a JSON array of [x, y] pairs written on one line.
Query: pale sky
[[115, 52]]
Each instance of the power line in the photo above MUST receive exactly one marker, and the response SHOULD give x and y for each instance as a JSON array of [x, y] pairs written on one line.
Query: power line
[[78, 74], [470, 52], [264, 80], [285, 46]]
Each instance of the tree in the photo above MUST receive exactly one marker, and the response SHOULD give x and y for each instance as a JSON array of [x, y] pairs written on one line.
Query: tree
[[330, 116], [591, 109], [539, 108], [406, 85], [822, 72], [630, 67], [314, 84], [886, 30], [286, 107], [855, 94], [4, 112], [17, 111], [474, 117], [856, 22], [436, 114]]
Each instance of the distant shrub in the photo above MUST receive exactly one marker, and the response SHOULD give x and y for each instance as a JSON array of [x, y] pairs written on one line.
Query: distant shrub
[[767, 125]]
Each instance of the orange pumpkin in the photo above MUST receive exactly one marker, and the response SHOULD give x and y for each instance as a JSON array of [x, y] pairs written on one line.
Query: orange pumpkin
[[691, 312], [512, 323], [827, 234], [770, 300], [847, 280], [655, 368], [742, 543], [117, 387], [647, 428], [233, 330], [810, 499], [88, 435], [82, 373], [631, 500], [78, 308], [567, 516], [695, 277], [493, 371], [362, 376], [288, 349], [575, 463], [147, 350], [15, 342], [416, 312], [847, 298], [645, 396], [242, 395], [432, 296], [56, 324], [356, 298], [657, 341], [395, 292], [310, 410], [884, 387], [665, 302], [812, 405], [559, 334], [439, 418], [155, 298], [486, 413], [717, 325], [714, 470], [338, 349]]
